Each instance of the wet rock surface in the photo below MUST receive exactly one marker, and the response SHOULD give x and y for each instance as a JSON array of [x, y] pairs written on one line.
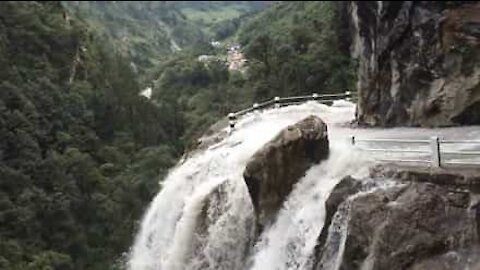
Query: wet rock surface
[[347, 187], [212, 217], [413, 225], [271, 172]]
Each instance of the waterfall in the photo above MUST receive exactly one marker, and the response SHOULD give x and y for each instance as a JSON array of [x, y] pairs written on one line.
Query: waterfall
[[289, 243], [203, 217]]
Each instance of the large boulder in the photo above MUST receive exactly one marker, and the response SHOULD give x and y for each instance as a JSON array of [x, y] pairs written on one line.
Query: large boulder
[[415, 225], [419, 62], [405, 228], [271, 172]]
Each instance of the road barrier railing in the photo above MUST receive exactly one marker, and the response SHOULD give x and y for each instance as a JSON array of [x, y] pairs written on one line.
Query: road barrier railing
[[433, 150], [278, 102]]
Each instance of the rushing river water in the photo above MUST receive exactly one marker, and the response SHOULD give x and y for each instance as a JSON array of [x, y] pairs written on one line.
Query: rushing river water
[[203, 218]]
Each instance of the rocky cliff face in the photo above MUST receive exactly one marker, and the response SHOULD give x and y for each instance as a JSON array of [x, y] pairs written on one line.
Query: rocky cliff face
[[418, 62], [422, 222], [271, 173]]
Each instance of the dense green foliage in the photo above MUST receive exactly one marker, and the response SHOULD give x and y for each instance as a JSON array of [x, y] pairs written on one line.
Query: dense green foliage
[[292, 48], [219, 19], [295, 48], [197, 93], [80, 152], [148, 32], [144, 32]]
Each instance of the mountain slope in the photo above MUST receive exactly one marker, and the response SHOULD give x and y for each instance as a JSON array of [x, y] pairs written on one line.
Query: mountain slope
[[80, 151], [145, 32], [148, 32], [298, 49], [217, 18], [292, 48]]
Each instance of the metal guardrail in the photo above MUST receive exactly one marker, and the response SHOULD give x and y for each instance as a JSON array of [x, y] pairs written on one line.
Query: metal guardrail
[[277, 102], [435, 156]]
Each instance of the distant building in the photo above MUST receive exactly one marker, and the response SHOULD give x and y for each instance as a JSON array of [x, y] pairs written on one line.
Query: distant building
[[215, 43], [147, 93], [235, 60], [234, 48]]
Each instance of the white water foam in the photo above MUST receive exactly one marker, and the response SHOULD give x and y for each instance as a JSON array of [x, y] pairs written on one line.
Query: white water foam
[[168, 240], [169, 224]]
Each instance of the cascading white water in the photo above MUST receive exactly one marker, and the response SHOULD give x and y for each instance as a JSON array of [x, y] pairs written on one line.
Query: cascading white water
[[289, 243], [168, 229], [203, 217]]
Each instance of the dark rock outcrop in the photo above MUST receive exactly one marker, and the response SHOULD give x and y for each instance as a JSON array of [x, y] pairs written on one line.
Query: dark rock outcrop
[[398, 230], [417, 225], [419, 62], [345, 188], [271, 172]]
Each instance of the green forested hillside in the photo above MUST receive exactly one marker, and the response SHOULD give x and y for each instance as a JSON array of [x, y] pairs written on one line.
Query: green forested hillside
[[148, 32], [144, 32], [292, 48], [219, 19], [297, 47], [80, 151]]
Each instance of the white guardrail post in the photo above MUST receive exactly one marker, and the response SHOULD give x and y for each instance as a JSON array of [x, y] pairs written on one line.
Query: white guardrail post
[[347, 96], [435, 147], [314, 96], [276, 102], [231, 120], [255, 107]]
